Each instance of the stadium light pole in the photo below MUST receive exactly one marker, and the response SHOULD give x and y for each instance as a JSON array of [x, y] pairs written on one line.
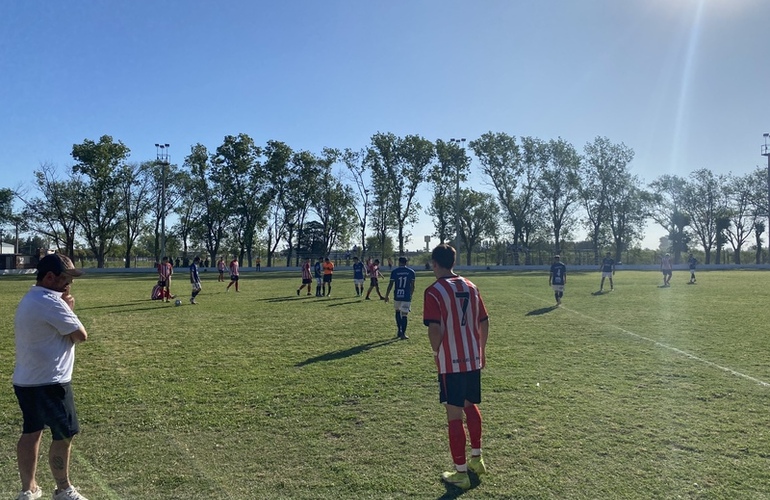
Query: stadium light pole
[[162, 157], [461, 144], [766, 152]]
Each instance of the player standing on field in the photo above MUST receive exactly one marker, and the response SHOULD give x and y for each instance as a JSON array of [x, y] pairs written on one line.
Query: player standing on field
[[691, 263], [234, 275], [328, 267], [608, 270], [195, 279], [667, 269], [403, 278], [165, 270], [458, 327], [374, 282], [318, 273], [307, 276], [358, 276], [557, 278]]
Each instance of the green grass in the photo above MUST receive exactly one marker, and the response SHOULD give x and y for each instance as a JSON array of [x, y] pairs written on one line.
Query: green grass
[[644, 392]]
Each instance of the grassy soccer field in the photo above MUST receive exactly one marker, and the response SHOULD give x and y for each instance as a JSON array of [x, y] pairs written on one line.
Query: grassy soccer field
[[644, 392]]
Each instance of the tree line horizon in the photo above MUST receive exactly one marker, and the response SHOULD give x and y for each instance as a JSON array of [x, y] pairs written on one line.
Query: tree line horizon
[[242, 197]]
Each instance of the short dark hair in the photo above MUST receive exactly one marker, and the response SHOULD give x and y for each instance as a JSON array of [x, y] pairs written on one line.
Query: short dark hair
[[58, 264], [444, 255], [403, 260]]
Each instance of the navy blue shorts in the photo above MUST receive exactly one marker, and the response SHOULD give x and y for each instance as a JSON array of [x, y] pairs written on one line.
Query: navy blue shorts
[[48, 406], [327, 278], [457, 388]]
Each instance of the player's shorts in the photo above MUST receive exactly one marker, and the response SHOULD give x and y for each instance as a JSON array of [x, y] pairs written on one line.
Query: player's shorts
[[48, 405], [402, 306], [307, 281], [456, 388], [196, 287], [319, 280], [221, 272], [558, 288], [666, 272], [234, 277], [358, 282], [327, 278], [606, 274], [374, 282]]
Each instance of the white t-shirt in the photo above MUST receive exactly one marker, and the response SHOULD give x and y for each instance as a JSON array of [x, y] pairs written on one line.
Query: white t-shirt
[[44, 355]]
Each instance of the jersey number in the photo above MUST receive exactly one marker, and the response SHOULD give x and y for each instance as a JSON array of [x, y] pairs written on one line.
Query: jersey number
[[464, 299]]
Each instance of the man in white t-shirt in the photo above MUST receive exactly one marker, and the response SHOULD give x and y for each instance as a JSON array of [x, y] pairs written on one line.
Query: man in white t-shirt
[[46, 330]]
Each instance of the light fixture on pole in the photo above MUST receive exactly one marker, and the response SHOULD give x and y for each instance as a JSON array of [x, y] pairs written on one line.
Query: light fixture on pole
[[459, 158], [162, 157]]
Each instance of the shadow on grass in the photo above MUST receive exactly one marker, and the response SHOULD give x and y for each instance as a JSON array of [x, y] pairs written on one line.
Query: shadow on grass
[[455, 492], [542, 310], [334, 355], [122, 304]]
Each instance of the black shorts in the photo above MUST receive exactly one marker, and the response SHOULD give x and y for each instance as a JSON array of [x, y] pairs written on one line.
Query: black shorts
[[457, 388], [374, 282], [48, 406], [307, 281], [327, 278], [233, 277]]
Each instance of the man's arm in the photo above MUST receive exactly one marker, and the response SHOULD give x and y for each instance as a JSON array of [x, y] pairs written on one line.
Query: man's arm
[[387, 292], [79, 335], [435, 335]]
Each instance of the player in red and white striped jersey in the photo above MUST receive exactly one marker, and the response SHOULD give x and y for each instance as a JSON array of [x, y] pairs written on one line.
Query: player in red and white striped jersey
[[458, 327], [307, 276]]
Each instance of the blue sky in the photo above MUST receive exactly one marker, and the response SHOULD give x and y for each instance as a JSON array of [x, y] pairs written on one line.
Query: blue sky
[[682, 82]]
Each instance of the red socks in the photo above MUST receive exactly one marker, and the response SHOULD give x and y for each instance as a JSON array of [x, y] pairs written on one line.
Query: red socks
[[457, 441], [473, 421]]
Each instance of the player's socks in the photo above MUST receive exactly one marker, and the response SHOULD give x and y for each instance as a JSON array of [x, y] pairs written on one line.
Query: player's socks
[[457, 442], [403, 324], [473, 421], [398, 324]]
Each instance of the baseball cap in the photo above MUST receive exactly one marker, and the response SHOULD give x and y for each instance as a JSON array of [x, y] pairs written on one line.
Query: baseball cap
[[58, 264]]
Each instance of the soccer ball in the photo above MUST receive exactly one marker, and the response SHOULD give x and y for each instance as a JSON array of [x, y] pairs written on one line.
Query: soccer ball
[[178, 302]]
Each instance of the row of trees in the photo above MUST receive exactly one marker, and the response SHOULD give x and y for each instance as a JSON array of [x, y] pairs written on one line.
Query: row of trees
[[243, 196]]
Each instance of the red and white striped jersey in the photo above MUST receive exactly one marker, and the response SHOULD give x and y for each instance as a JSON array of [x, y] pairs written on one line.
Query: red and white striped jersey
[[306, 274], [165, 269], [455, 303]]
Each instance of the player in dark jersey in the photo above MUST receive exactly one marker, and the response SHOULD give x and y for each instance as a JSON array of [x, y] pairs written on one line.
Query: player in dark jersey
[[403, 278], [318, 273], [557, 278], [195, 279], [359, 274], [608, 270], [691, 263]]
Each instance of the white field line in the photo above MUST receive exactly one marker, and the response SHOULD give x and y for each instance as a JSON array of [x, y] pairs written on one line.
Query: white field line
[[666, 346]]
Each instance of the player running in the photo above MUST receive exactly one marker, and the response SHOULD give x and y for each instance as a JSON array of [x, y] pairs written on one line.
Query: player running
[[403, 278], [691, 263], [234, 275], [195, 279]]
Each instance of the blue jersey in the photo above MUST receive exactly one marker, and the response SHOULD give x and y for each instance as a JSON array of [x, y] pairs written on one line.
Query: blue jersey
[[558, 273], [607, 265], [317, 269], [358, 271], [692, 261], [194, 278], [403, 277]]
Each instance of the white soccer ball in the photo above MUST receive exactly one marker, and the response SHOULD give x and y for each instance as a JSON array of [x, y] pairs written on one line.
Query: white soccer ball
[[178, 302]]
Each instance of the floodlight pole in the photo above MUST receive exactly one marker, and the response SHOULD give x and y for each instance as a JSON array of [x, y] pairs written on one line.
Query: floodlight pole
[[162, 157], [766, 152]]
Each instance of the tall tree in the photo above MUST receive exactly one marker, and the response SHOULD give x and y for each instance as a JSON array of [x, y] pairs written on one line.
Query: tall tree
[[628, 207], [402, 166], [704, 203], [212, 214], [453, 164], [355, 161], [559, 186], [478, 219], [136, 182], [281, 212], [237, 163], [740, 192], [605, 165], [668, 210], [100, 216], [52, 213], [335, 204]]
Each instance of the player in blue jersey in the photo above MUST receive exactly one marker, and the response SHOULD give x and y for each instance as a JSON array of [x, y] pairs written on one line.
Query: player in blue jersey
[[608, 270], [318, 274], [402, 278], [557, 278], [358, 276], [195, 279], [691, 263]]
